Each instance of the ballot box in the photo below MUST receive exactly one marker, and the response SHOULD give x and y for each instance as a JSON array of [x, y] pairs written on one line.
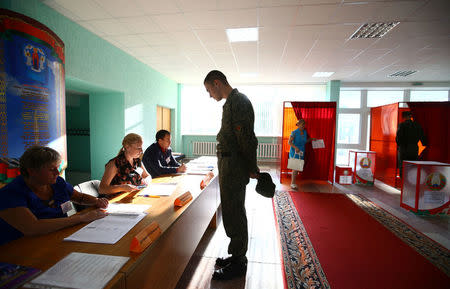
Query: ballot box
[[363, 166], [343, 175], [425, 188]]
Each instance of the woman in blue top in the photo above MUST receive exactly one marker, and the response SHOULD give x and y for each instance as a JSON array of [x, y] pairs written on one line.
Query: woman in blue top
[[297, 141], [37, 201]]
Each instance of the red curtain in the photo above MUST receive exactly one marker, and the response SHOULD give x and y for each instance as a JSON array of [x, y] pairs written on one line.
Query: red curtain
[[434, 117], [383, 128], [320, 118]]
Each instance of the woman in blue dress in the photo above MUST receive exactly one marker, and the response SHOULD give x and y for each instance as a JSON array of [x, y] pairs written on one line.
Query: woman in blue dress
[[297, 141], [38, 201]]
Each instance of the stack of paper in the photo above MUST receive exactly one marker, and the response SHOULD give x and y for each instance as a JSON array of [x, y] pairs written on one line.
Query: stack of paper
[[80, 271], [108, 230], [158, 189]]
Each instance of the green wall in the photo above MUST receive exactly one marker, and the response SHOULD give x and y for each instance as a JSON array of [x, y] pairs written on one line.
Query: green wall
[[123, 92]]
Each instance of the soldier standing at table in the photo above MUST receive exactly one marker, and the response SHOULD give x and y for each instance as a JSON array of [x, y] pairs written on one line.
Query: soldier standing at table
[[236, 152]]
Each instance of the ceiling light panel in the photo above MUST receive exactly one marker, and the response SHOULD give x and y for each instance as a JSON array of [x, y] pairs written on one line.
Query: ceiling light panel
[[242, 34], [402, 73], [374, 30], [322, 74]]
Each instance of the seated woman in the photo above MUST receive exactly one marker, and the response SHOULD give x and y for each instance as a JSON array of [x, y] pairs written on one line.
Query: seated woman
[[125, 172], [37, 201]]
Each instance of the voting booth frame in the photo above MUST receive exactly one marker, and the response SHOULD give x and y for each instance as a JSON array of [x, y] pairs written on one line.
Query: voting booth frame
[[432, 116], [320, 123]]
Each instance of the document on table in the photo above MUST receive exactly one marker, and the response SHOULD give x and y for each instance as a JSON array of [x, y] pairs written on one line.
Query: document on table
[[158, 189], [318, 144], [126, 209], [80, 271], [108, 230]]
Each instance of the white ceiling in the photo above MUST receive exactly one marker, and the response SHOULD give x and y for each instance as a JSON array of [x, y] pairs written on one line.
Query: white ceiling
[[184, 39]]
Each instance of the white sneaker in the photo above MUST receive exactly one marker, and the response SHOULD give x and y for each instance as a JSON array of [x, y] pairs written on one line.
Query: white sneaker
[[294, 186]]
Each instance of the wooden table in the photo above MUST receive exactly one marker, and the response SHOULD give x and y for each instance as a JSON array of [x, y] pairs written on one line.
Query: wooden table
[[161, 264]]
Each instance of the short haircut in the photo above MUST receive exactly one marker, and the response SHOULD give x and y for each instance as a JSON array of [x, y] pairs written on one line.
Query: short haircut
[[406, 114], [36, 157], [161, 134], [215, 75], [302, 120]]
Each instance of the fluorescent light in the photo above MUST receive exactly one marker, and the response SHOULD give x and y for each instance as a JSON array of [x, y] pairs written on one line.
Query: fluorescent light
[[374, 30], [322, 74], [249, 75], [242, 34]]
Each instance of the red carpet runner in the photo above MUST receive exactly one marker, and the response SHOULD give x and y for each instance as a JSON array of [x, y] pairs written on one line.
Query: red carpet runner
[[347, 242]]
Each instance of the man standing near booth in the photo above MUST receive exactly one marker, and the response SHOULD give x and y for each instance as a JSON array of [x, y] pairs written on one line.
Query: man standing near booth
[[236, 153], [409, 133]]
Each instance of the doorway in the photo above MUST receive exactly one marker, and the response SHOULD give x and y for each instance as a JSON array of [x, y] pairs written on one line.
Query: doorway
[[78, 137]]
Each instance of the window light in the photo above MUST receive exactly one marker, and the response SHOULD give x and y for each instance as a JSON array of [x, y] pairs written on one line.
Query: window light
[[242, 34]]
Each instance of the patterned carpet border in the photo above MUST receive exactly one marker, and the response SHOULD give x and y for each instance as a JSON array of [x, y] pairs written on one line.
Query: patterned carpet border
[[431, 250], [301, 265]]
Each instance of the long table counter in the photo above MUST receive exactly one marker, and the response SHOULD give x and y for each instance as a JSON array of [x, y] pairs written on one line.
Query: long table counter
[[158, 266]]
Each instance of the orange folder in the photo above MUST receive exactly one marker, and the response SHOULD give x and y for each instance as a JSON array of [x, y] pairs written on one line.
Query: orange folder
[[183, 199], [145, 237]]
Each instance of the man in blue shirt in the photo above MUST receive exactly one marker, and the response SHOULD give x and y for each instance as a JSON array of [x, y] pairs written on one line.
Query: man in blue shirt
[[158, 159]]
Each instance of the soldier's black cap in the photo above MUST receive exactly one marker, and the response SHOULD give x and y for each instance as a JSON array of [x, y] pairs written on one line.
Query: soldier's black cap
[[265, 186]]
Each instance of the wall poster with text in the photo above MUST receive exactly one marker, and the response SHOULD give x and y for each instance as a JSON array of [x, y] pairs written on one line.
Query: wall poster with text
[[32, 90]]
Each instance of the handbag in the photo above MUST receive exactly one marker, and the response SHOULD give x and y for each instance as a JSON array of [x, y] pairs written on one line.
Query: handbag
[[295, 164]]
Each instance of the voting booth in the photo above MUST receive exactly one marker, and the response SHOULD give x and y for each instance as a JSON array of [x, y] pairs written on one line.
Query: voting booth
[[425, 187], [320, 123], [363, 166]]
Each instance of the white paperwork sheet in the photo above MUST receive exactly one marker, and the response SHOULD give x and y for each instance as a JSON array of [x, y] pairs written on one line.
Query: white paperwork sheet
[[318, 144], [108, 230], [80, 271], [126, 209], [158, 189]]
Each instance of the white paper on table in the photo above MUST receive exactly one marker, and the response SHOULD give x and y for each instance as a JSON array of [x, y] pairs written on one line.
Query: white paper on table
[[107, 230], [126, 209], [80, 271], [158, 189], [318, 144]]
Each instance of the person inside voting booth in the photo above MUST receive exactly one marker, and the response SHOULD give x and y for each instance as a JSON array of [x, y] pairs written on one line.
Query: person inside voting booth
[[158, 158], [38, 201], [298, 139], [125, 172]]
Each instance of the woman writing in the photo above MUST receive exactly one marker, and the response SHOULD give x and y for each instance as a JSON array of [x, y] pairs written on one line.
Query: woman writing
[[297, 141], [38, 201], [125, 172]]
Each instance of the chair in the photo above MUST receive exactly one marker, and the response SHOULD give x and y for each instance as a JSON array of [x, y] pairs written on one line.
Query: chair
[[90, 188]]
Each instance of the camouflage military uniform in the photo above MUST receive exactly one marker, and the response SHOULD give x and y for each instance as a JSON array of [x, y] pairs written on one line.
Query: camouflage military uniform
[[236, 153]]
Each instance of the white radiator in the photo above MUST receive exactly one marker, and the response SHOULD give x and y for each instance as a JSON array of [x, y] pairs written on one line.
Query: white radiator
[[265, 150], [268, 151], [204, 148]]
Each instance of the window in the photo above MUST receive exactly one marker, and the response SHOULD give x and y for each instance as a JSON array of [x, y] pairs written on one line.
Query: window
[[342, 157], [348, 128], [350, 99], [420, 95], [380, 97], [201, 115]]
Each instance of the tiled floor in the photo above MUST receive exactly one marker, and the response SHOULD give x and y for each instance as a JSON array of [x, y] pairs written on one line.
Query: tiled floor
[[264, 267]]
